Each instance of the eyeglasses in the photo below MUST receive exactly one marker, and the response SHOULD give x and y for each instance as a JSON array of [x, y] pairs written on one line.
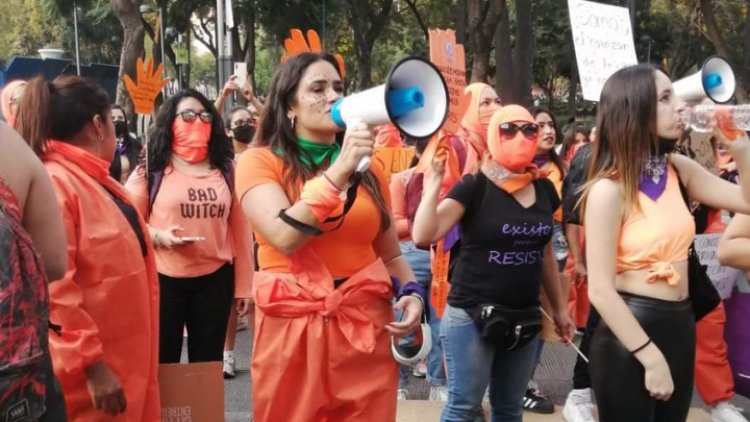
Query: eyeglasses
[[508, 130], [240, 123], [189, 116]]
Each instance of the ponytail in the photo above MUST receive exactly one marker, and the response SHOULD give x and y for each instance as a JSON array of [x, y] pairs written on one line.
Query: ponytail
[[34, 113]]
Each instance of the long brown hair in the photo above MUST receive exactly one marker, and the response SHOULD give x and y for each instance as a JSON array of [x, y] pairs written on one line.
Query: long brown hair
[[626, 130], [59, 110], [276, 131]]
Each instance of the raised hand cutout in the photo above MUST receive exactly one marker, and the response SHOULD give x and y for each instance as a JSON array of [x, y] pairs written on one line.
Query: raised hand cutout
[[297, 44], [149, 84]]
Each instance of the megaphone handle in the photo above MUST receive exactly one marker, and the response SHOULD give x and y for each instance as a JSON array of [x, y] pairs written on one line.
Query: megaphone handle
[[364, 162]]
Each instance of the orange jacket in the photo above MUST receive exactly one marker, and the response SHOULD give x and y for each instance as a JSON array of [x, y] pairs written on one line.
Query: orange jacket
[[108, 301]]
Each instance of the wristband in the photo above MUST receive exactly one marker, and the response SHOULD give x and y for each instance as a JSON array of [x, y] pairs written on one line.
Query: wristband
[[413, 288], [642, 347], [321, 197]]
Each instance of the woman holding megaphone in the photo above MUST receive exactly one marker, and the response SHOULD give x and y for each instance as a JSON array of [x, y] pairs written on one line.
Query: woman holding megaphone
[[490, 327], [638, 233], [327, 252]]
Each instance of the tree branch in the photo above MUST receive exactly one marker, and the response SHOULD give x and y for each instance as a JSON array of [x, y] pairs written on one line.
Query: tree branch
[[412, 4], [208, 43]]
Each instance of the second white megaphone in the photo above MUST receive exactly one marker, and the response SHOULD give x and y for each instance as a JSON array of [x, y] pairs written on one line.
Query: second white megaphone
[[715, 80], [414, 98]]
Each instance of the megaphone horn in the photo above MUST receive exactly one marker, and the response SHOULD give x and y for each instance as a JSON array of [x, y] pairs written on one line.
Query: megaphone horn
[[715, 80], [414, 98]]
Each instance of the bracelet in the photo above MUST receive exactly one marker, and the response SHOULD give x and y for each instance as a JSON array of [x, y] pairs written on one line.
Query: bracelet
[[641, 348], [330, 181], [394, 259]]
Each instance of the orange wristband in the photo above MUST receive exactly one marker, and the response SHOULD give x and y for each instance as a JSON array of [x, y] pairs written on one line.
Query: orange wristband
[[321, 196]]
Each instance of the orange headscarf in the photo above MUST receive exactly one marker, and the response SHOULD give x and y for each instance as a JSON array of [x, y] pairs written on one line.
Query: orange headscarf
[[510, 162], [6, 95], [388, 136], [472, 120]]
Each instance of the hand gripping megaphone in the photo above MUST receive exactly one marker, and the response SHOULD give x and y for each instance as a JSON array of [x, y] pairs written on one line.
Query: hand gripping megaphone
[[414, 98], [715, 80]]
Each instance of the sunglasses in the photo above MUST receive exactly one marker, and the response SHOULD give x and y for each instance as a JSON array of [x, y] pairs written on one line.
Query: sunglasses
[[189, 116], [509, 130]]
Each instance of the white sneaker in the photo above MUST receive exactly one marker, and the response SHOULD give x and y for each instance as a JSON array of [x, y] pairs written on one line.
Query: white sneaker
[[403, 394], [420, 370], [229, 366], [578, 406], [726, 412], [439, 393]]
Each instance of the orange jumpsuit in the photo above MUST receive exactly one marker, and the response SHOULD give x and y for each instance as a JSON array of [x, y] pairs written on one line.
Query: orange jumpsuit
[[319, 353], [108, 301]]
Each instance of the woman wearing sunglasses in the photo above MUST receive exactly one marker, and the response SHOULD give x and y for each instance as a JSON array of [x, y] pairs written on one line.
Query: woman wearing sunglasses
[[327, 251], [638, 232], [490, 327], [473, 130], [106, 304], [185, 189]]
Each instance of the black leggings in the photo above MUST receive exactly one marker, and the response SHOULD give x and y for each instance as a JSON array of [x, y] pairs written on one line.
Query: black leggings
[[201, 304], [618, 377]]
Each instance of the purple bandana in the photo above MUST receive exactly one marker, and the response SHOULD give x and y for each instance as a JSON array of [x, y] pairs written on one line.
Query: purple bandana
[[541, 159], [120, 147], [654, 177]]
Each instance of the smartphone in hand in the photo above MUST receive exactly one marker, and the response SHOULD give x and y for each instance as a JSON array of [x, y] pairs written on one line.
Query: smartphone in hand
[[192, 238]]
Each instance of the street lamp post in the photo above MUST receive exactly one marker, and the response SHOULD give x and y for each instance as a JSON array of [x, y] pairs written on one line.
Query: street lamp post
[[75, 28]]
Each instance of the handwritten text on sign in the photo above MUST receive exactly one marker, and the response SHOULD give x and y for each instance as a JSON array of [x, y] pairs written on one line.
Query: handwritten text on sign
[[603, 39], [448, 57], [723, 277]]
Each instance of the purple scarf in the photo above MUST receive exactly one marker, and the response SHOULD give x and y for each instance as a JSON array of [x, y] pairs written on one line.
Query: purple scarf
[[654, 177]]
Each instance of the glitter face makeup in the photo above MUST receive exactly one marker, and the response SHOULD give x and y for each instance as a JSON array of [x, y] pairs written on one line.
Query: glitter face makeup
[[318, 89]]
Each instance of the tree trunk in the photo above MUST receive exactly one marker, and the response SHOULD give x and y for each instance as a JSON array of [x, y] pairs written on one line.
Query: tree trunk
[[367, 20], [573, 87], [483, 16], [523, 53], [461, 22], [129, 15], [250, 44], [504, 58], [186, 76], [721, 48]]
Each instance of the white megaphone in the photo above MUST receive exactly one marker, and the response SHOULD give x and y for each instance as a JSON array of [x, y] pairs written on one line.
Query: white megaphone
[[715, 80], [414, 98]]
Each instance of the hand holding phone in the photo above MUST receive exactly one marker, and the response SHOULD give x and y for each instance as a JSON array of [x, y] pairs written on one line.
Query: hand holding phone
[[191, 239]]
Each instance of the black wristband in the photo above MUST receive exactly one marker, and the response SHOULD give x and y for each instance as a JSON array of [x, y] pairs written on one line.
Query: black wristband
[[641, 348]]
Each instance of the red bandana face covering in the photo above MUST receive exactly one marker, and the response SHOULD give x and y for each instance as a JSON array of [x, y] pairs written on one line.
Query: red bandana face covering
[[512, 141], [190, 140]]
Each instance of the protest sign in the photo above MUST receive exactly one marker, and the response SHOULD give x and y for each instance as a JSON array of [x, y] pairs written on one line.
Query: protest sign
[[723, 277], [448, 57], [603, 39]]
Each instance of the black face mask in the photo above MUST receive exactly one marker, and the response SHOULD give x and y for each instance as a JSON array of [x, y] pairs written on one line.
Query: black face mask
[[244, 133], [121, 128]]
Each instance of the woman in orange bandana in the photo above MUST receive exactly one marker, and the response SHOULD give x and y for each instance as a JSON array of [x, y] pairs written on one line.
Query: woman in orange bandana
[[11, 97], [327, 251], [506, 256], [203, 256], [105, 353], [473, 131]]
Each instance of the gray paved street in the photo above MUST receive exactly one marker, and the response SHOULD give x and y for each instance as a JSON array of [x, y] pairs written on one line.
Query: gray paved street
[[554, 377]]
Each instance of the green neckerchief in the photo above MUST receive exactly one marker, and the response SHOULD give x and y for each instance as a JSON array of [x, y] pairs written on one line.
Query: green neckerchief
[[314, 152]]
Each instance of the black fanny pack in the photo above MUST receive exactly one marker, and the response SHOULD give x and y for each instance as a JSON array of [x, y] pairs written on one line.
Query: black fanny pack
[[505, 327]]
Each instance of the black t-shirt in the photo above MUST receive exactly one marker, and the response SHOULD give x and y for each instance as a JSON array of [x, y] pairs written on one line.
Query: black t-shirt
[[502, 244]]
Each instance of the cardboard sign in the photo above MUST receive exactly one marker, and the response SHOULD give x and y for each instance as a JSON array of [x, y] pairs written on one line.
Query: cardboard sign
[[603, 39], [191, 392], [144, 92], [393, 160], [448, 57], [723, 277]]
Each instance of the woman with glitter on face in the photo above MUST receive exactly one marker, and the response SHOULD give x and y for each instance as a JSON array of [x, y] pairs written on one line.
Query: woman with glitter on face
[[327, 252]]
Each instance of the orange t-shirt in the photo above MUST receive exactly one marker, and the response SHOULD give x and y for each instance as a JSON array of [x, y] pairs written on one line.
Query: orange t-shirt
[[344, 251], [204, 206]]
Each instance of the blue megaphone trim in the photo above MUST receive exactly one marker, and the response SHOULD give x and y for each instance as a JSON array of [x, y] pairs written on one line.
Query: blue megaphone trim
[[711, 81], [405, 100], [336, 114]]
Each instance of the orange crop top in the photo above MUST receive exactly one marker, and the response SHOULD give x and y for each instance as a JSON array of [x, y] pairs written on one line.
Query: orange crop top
[[345, 250], [658, 235]]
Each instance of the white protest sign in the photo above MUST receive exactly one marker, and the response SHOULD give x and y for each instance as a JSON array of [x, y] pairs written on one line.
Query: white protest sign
[[603, 40], [723, 277]]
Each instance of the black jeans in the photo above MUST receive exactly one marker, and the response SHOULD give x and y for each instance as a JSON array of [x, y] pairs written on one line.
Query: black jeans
[[618, 377], [581, 378], [201, 304]]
